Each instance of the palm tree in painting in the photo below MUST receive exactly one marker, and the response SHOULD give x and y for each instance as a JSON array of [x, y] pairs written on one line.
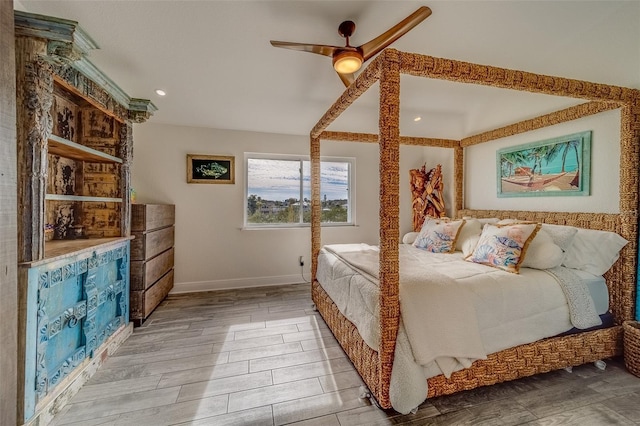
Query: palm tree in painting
[[537, 154], [552, 152], [547, 153], [506, 166], [510, 160], [564, 148], [575, 143]]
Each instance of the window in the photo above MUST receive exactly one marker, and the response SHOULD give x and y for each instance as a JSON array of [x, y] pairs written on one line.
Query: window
[[278, 190]]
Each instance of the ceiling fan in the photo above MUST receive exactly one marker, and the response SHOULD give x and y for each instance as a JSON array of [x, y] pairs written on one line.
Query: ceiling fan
[[348, 59]]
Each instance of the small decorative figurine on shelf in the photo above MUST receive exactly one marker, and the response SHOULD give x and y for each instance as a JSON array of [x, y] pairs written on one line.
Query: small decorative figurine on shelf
[[78, 231], [64, 222], [48, 232]]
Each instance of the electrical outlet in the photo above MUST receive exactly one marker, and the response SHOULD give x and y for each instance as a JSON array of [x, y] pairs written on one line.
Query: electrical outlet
[[301, 260]]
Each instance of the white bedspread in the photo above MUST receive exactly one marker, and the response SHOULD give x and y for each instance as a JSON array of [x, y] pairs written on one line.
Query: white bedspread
[[509, 310], [427, 295]]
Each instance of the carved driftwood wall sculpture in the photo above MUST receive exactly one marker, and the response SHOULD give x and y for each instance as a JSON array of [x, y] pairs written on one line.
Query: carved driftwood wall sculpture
[[427, 194]]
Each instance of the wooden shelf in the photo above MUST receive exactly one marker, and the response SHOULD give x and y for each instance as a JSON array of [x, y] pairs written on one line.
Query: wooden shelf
[[57, 248], [75, 151], [61, 197], [61, 249]]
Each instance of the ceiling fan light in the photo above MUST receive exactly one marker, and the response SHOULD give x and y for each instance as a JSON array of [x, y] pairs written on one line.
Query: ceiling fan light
[[347, 62]]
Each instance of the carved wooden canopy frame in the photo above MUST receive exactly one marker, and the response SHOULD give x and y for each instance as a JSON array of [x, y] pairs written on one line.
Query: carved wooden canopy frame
[[386, 68]]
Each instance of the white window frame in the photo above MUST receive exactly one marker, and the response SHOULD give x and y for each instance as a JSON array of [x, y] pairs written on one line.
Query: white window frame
[[292, 157]]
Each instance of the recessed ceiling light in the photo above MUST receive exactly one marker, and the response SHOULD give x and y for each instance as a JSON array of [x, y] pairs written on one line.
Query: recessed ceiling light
[[160, 92], [417, 118]]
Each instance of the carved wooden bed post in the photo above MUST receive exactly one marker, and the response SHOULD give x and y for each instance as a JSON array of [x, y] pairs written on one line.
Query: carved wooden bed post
[[458, 172], [316, 211], [389, 214]]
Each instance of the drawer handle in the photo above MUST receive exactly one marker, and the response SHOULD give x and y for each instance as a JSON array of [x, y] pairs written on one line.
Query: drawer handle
[[73, 321]]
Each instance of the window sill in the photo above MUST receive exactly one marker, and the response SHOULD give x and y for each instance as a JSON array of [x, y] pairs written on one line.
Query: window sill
[[290, 226]]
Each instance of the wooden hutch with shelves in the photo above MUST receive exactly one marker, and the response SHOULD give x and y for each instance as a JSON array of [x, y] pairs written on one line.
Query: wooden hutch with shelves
[[74, 134]]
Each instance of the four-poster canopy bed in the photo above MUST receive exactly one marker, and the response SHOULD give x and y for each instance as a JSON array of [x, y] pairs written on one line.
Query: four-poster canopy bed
[[375, 366]]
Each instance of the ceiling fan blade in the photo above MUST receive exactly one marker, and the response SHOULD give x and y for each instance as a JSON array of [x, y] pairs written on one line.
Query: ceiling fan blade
[[374, 46], [320, 49], [347, 79]]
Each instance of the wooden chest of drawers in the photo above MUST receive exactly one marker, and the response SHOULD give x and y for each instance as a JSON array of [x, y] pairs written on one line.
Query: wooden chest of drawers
[[151, 257]]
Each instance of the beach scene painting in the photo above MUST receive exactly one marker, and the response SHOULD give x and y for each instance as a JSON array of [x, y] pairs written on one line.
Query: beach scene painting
[[553, 167]]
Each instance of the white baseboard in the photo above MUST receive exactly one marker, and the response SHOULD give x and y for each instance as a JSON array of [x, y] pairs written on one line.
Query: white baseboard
[[197, 286]]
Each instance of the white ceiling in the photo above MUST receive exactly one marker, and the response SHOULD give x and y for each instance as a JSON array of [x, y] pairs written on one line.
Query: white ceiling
[[214, 60]]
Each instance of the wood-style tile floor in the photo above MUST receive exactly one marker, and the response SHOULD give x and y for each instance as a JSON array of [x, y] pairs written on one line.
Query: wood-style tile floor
[[262, 356]]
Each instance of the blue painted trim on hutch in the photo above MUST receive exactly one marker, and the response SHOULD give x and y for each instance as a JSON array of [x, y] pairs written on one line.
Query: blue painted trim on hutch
[[30, 342], [68, 41]]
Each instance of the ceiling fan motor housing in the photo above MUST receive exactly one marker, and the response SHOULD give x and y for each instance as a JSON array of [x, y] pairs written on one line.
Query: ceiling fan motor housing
[[346, 29]]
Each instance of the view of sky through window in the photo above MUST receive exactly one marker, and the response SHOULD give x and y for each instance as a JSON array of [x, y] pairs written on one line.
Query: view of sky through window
[[279, 180]]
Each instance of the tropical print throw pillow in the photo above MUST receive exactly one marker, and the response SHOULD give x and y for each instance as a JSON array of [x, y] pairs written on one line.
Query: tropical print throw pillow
[[504, 246], [439, 236]]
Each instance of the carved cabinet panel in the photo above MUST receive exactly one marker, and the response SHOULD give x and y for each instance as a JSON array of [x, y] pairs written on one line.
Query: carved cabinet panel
[[73, 305]]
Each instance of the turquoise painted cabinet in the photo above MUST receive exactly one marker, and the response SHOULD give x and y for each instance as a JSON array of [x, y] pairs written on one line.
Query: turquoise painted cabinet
[[73, 305]]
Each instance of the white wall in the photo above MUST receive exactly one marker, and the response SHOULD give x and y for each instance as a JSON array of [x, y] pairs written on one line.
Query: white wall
[[480, 169], [212, 251]]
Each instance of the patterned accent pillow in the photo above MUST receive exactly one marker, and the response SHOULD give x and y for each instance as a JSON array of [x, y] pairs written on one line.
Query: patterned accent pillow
[[504, 246], [439, 236]]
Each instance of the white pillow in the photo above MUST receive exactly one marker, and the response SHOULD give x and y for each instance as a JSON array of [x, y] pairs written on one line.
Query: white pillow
[[410, 237], [489, 220], [472, 228], [542, 252], [510, 221], [562, 235], [469, 245], [483, 221], [594, 251]]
